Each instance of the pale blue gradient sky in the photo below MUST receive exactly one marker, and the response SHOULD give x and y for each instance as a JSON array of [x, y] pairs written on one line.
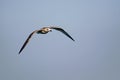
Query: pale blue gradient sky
[[94, 24]]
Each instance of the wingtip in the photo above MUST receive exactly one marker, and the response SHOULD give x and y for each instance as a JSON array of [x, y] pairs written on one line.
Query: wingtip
[[19, 52], [73, 40]]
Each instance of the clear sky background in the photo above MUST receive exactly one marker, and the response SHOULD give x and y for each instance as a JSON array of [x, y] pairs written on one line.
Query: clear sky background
[[94, 24]]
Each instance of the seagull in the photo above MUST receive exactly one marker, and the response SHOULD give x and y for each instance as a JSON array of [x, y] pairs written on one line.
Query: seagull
[[45, 30]]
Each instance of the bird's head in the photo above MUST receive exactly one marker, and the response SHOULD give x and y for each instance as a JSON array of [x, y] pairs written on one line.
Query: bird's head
[[50, 30], [46, 29]]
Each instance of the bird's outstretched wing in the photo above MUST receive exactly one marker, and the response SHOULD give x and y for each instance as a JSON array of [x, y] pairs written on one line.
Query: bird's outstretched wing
[[25, 43], [63, 31]]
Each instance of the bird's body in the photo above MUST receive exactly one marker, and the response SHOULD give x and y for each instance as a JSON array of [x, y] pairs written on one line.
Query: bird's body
[[44, 30]]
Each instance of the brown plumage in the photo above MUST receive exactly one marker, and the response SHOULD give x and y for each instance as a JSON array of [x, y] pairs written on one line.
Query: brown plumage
[[44, 30]]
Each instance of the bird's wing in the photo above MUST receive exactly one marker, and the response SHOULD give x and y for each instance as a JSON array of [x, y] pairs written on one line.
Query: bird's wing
[[25, 43], [63, 31]]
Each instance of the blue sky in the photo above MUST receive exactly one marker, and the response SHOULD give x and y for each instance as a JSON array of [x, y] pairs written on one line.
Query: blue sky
[[94, 24]]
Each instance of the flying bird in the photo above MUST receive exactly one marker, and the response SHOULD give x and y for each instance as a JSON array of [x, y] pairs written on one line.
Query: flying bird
[[45, 30]]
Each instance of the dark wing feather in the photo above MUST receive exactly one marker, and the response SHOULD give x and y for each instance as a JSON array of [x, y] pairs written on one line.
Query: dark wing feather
[[25, 43], [63, 31]]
